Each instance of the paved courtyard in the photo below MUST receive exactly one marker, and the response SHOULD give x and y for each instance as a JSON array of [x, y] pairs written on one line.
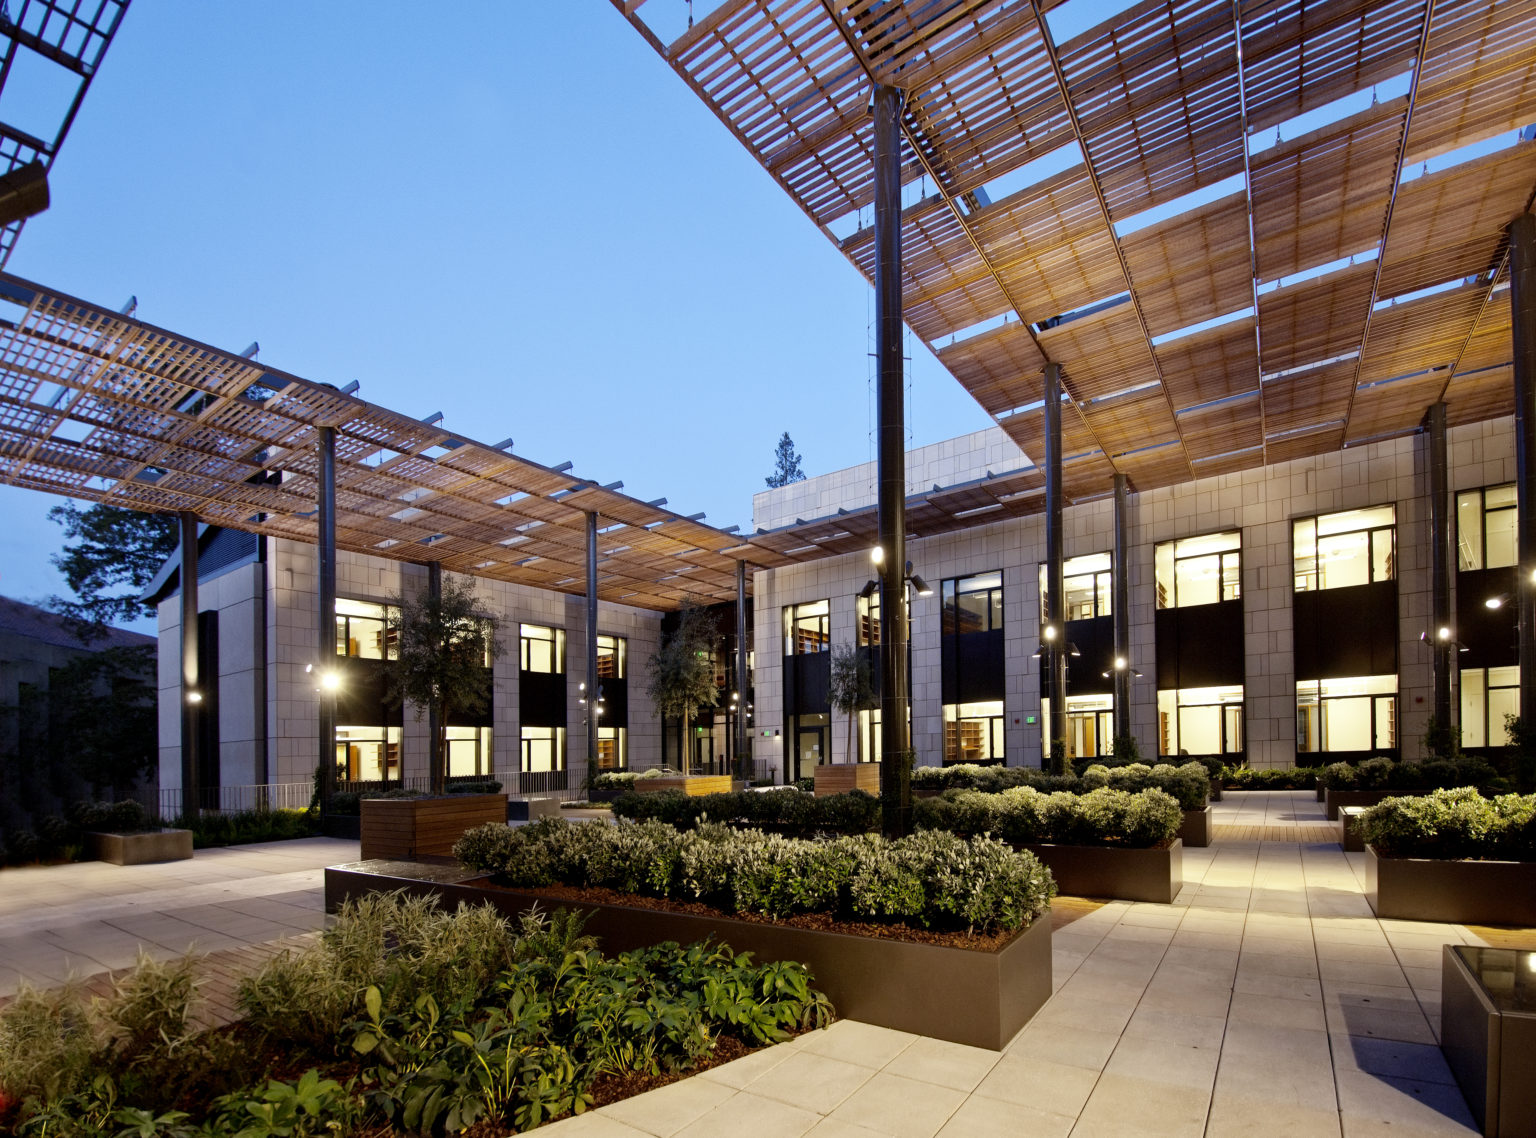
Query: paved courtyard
[[1267, 1000]]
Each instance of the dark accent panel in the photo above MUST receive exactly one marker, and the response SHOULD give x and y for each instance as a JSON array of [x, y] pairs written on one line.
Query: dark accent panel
[[1491, 635], [363, 698], [807, 679], [458, 717], [1346, 632], [541, 699], [1095, 641], [208, 712], [615, 702], [973, 668], [1200, 646], [872, 660]]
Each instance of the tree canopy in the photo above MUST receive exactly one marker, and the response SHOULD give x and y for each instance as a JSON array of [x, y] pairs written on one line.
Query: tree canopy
[[786, 464], [682, 669], [109, 558]]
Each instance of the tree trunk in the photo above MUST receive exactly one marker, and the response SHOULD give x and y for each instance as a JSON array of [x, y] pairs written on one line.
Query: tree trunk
[[686, 743], [440, 750]]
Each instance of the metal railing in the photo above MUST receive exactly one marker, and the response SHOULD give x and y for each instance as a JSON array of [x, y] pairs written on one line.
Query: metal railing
[[167, 802]]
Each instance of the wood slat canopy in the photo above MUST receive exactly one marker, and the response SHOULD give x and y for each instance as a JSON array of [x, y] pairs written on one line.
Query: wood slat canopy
[[1303, 237], [104, 408]]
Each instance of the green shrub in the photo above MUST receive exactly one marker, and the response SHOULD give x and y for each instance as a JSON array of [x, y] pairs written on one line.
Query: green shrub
[[1453, 823], [126, 817], [247, 826], [1190, 783], [1382, 773], [1024, 815], [786, 811], [48, 1041], [751, 871], [1282, 778]]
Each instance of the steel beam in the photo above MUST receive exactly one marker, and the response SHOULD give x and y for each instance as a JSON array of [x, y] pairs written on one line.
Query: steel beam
[[1053, 650], [325, 648], [895, 728], [593, 709], [1522, 299], [1121, 586], [191, 672], [743, 738], [437, 749], [1440, 565]]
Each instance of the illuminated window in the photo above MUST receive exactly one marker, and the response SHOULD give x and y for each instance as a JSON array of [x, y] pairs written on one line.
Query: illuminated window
[[1487, 696], [1087, 581], [1354, 714], [973, 732], [1200, 721], [611, 653], [807, 628], [1335, 551], [469, 751], [543, 749], [612, 749], [362, 630], [1090, 725], [367, 754], [972, 604], [1198, 570], [542, 649], [1485, 528]]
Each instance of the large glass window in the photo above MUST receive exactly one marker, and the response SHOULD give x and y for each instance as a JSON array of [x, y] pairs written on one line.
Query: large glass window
[[869, 619], [1485, 528], [1200, 721], [543, 749], [972, 604], [612, 749], [367, 754], [363, 631], [542, 649], [1356, 547], [1088, 587], [807, 628], [973, 732], [1487, 696], [1354, 714], [1198, 570], [1090, 725], [469, 751], [611, 657]]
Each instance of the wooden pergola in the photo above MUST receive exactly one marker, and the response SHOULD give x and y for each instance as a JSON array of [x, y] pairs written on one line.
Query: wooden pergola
[[1312, 287], [101, 407]]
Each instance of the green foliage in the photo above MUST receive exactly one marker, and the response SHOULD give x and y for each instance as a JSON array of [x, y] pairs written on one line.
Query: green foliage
[[1024, 815], [1520, 753], [1126, 749], [682, 669], [1383, 774], [1441, 740], [446, 644], [1189, 784], [47, 1043], [246, 826], [1453, 823], [750, 871], [1282, 778], [786, 811], [107, 547], [849, 688], [306, 1109], [786, 464]]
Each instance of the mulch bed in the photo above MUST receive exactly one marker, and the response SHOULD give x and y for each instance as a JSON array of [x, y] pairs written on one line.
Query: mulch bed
[[819, 922]]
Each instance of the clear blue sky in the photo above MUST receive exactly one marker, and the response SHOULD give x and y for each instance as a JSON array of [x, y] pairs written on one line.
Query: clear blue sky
[[513, 213]]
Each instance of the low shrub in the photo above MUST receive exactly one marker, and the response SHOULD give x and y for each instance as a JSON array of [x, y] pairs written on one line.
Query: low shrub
[[1281, 778], [126, 817], [1453, 823], [916, 879], [1190, 783], [786, 810], [1024, 815], [246, 826], [1429, 774]]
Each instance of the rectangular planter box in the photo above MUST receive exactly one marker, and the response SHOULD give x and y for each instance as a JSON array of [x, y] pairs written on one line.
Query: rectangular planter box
[[1456, 892], [341, 826], [1195, 832], [425, 827], [1488, 1034], [1337, 798], [1116, 874], [1215, 789], [980, 999], [840, 778], [142, 848], [693, 786], [1349, 829], [532, 809]]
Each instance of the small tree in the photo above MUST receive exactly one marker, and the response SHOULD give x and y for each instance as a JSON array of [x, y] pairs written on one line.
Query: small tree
[[445, 643], [1441, 740], [786, 464], [1521, 751], [682, 672], [850, 690]]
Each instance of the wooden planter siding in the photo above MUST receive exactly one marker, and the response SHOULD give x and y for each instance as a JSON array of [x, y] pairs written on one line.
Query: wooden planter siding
[[424, 827], [141, 848], [840, 778], [1195, 832], [693, 786], [980, 999], [1115, 873], [1455, 892]]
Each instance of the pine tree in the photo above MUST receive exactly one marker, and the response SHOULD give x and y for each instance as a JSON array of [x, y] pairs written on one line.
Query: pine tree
[[786, 467]]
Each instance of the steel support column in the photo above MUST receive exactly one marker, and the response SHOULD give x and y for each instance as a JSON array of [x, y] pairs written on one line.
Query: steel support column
[[1522, 299], [895, 728], [1440, 565], [743, 737], [593, 709], [1054, 635], [1122, 612], [325, 648], [437, 749], [191, 672]]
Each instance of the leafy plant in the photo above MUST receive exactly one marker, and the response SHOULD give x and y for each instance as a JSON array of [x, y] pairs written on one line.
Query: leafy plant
[[1453, 823], [682, 670], [849, 689]]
